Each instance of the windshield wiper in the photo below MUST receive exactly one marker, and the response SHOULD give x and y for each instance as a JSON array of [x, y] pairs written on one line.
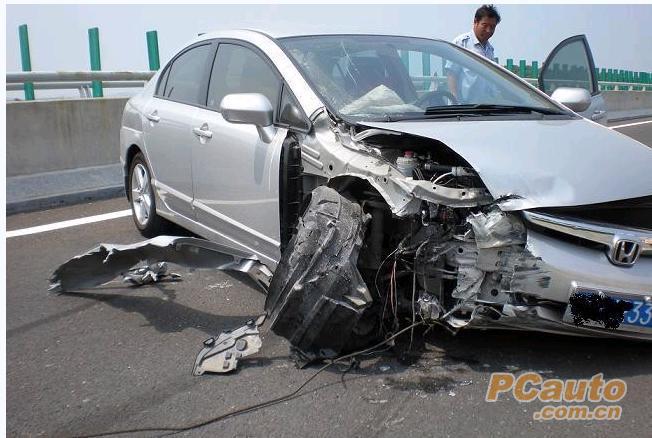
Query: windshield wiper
[[482, 108]]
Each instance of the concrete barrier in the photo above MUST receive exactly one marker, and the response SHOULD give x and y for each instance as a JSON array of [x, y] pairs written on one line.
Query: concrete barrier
[[47, 136], [628, 100]]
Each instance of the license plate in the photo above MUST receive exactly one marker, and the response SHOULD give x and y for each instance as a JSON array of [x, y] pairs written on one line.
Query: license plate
[[640, 315]]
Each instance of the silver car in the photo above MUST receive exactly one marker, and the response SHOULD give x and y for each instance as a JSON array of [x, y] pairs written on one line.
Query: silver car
[[344, 165]]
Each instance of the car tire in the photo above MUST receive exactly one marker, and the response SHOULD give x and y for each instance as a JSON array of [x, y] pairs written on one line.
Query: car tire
[[142, 198]]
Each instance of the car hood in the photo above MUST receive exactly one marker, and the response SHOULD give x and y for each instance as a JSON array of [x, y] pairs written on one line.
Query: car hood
[[544, 163]]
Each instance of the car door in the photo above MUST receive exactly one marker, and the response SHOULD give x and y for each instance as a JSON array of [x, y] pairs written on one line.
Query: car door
[[168, 129], [235, 173], [570, 64]]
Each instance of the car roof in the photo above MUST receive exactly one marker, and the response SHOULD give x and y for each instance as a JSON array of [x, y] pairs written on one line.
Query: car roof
[[248, 34]]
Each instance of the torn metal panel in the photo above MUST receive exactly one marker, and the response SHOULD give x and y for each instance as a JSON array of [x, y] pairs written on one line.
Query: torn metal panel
[[333, 152], [222, 353], [496, 228], [317, 297], [107, 261]]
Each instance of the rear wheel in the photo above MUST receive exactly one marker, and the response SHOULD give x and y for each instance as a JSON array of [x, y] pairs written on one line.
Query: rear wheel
[[142, 199]]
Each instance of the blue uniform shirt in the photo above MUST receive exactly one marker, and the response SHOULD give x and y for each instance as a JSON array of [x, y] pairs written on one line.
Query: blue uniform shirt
[[466, 79]]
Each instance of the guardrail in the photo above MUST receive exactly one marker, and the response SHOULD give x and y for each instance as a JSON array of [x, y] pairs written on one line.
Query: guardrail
[[55, 80], [609, 79], [81, 80]]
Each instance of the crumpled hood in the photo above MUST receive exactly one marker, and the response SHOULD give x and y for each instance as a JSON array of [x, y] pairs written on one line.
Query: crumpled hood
[[544, 163]]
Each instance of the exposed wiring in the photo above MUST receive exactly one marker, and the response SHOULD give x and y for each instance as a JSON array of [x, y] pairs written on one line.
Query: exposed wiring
[[441, 176], [289, 396], [414, 287]]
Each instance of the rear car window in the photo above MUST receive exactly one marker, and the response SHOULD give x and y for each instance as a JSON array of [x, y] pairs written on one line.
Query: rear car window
[[184, 80]]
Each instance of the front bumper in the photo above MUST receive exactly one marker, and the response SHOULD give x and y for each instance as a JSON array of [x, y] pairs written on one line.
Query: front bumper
[[568, 265], [565, 267]]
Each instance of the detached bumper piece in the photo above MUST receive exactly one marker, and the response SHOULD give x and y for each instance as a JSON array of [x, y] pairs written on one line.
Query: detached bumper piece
[[221, 354], [317, 296], [108, 261]]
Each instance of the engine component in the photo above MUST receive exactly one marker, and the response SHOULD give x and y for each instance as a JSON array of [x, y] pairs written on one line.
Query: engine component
[[407, 163], [429, 307]]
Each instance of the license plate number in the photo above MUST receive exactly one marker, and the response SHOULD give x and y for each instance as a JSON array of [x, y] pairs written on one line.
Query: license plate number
[[641, 314]]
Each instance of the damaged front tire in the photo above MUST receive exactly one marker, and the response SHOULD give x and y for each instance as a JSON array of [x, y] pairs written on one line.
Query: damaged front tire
[[317, 297]]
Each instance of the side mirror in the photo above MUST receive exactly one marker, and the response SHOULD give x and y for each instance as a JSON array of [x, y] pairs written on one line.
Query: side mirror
[[576, 99], [251, 109]]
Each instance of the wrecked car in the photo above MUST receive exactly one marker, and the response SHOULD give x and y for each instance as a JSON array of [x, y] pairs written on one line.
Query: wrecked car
[[344, 168]]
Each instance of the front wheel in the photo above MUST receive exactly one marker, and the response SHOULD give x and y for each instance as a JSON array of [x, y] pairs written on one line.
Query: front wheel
[[141, 197]]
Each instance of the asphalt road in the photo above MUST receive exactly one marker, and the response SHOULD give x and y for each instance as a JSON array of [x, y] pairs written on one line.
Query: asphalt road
[[116, 358]]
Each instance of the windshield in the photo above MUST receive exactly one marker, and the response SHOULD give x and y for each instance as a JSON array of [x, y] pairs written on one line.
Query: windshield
[[367, 77]]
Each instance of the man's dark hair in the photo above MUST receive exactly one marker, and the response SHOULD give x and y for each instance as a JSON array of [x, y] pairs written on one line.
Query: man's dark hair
[[488, 11]]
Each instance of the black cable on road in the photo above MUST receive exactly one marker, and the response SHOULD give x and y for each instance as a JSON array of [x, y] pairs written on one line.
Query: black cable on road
[[247, 409]]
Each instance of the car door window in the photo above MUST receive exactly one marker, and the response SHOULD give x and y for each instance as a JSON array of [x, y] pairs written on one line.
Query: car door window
[[568, 67], [186, 74], [238, 69], [160, 89]]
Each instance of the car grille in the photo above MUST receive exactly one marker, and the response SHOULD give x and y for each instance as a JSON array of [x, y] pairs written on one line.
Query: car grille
[[617, 241], [632, 213]]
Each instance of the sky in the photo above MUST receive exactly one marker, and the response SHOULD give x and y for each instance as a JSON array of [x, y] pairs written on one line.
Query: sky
[[619, 35]]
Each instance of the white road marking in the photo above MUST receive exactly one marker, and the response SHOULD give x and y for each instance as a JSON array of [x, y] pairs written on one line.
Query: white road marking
[[68, 224], [630, 124]]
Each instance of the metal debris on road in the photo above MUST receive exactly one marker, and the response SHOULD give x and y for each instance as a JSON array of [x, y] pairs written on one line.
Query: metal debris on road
[[222, 353], [108, 261], [154, 273]]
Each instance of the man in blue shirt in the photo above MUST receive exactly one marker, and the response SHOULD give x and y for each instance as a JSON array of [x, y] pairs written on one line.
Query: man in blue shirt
[[461, 82]]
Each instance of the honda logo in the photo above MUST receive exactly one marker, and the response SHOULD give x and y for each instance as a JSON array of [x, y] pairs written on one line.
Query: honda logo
[[625, 252]]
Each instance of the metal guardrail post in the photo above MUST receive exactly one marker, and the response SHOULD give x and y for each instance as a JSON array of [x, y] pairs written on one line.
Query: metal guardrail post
[[535, 69], [152, 50], [96, 65], [521, 68], [25, 59], [510, 64], [621, 78]]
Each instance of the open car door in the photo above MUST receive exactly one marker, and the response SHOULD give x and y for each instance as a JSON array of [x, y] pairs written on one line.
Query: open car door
[[570, 64]]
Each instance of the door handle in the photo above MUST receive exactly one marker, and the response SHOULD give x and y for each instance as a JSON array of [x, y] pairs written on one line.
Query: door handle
[[153, 117], [203, 131], [597, 115]]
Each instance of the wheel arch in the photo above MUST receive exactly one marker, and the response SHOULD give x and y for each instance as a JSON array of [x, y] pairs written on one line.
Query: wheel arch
[[132, 151], [358, 189]]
